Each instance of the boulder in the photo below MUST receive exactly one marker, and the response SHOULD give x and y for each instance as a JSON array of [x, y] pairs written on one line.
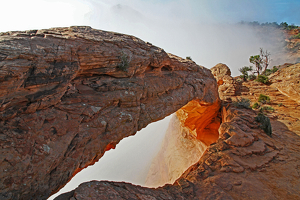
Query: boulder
[[226, 84], [220, 70]]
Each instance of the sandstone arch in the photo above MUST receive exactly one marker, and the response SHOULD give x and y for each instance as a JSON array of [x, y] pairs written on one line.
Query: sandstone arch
[[65, 100]]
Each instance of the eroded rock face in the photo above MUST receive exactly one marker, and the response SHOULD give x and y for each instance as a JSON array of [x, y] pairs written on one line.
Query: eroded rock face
[[287, 81], [191, 130], [226, 84], [69, 94], [220, 70], [244, 163], [201, 120]]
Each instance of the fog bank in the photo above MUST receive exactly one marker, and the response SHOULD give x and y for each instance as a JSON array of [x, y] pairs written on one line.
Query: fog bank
[[173, 26], [129, 162], [205, 30]]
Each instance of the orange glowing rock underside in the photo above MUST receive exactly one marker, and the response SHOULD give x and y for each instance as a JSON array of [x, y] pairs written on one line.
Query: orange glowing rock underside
[[201, 119]]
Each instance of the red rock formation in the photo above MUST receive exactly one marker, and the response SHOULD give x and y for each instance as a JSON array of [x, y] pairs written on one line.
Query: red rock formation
[[287, 81], [226, 84], [244, 163], [193, 128], [201, 120], [68, 93]]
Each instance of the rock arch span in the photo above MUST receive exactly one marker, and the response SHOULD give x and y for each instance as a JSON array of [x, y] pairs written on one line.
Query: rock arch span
[[66, 96]]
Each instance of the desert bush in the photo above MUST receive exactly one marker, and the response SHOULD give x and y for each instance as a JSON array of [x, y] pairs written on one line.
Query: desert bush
[[275, 69], [283, 25], [262, 78], [295, 36], [124, 64], [280, 104], [268, 72], [242, 103], [264, 99], [265, 123], [267, 108], [271, 71], [244, 70], [188, 58], [255, 105], [251, 77]]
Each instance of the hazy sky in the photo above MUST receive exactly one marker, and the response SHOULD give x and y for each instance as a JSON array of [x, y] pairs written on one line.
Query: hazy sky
[[202, 29]]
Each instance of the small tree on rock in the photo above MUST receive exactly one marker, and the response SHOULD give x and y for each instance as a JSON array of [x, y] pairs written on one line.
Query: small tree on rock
[[265, 59], [261, 61], [256, 60]]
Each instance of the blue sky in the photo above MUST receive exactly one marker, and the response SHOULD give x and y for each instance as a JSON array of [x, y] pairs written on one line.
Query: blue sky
[[252, 10], [203, 29]]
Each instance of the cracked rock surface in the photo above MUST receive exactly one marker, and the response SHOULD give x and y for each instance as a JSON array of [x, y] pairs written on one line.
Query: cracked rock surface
[[244, 163], [69, 94]]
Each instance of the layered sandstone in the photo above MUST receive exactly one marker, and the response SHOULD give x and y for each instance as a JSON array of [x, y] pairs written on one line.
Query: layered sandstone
[[286, 110], [69, 94], [201, 120], [287, 81], [244, 163], [226, 83]]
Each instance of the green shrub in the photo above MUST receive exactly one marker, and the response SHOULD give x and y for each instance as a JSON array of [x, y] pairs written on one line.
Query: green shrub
[[267, 108], [275, 69], [268, 72], [251, 77], [262, 78], [255, 105], [280, 104], [263, 98], [124, 64], [242, 103], [271, 71], [244, 70], [188, 58], [265, 123], [295, 36]]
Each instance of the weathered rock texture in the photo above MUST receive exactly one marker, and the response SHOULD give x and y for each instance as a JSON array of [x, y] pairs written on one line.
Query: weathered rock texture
[[227, 84], [244, 163], [287, 81], [201, 120], [69, 94], [286, 110], [292, 45]]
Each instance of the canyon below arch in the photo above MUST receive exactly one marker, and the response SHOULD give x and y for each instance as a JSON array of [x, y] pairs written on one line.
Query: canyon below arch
[[70, 94]]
